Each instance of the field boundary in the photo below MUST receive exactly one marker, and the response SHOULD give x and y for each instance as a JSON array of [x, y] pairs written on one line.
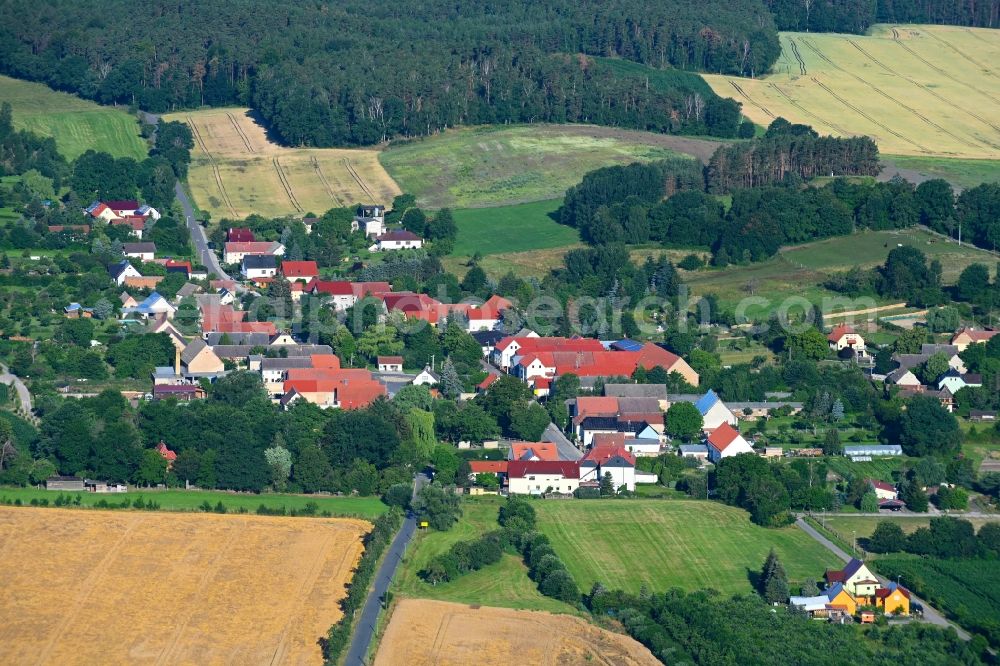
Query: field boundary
[[215, 167]]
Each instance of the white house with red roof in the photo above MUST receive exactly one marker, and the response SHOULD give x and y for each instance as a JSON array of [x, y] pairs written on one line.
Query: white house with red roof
[[845, 337], [883, 490], [299, 271], [609, 459], [538, 477], [235, 251], [726, 442], [399, 239], [166, 453]]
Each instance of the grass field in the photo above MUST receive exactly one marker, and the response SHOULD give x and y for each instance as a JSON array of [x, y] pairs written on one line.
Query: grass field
[[917, 90], [236, 170], [505, 583], [885, 469], [864, 526], [516, 228], [497, 166], [426, 633], [191, 500], [76, 124], [963, 173], [89, 587], [800, 271], [684, 543]]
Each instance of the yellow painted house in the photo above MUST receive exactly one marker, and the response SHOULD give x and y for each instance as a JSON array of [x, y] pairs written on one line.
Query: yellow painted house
[[838, 597], [857, 579], [893, 600]]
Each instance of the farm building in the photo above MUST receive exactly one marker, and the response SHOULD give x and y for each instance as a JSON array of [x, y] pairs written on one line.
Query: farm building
[[68, 483], [865, 452], [538, 477]]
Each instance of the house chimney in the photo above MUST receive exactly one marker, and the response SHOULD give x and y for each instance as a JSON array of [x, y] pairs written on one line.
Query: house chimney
[[177, 361]]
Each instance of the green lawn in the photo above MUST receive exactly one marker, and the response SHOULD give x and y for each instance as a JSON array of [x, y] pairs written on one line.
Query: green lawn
[[190, 500], [960, 172], [864, 526], [504, 584], [688, 544], [476, 167], [76, 124], [885, 469], [515, 228]]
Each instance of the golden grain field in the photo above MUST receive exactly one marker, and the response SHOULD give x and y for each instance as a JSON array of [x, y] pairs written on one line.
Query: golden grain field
[[917, 90], [440, 633], [88, 587], [236, 170]]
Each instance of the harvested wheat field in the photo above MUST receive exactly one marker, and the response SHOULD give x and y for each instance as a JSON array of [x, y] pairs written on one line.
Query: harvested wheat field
[[87, 587], [918, 90], [437, 632], [237, 170]]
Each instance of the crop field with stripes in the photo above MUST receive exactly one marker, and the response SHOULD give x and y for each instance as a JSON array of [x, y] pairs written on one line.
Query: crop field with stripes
[[690, 544], [929, 91], [82, 586], [237, 170]]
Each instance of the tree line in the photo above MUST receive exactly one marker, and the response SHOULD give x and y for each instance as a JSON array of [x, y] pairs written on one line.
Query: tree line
[[856, 16]]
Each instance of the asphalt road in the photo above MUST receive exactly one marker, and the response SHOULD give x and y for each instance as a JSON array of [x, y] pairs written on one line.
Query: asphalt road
[[23, 395], [565, 447], [364, 627], [205, 255], [931, 615]]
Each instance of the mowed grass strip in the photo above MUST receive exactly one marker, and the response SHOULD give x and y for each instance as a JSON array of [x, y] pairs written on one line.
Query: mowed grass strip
[[191, 500], [918, 90], [863, 526], [672, 543], [517, 228], [476, 167], [76, 124], [505, 584]]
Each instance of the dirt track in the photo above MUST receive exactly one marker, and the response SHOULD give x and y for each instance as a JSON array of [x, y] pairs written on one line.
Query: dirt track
[[87, 587], [422, 633]]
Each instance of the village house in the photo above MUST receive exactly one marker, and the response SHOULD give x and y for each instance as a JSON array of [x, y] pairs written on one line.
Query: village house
[[77, 311], [533, 451], [726, 442], [331, 387], [496, 467], [166, 453], [235, 251], [615, 460], [239, 235], [902, 377], [127, 301], [970, 336], [845, 337], [400, 239], [390, 363], [122, 271], [140, 251], [198, 358], [714, 412], [153, 305], [834, 603], [258, 266], [696, 451], [179, 392], [370, 219], [426, 377], [893, 599], [954, 381], [639, 447], [539, 477], [857, 579], [883, 490], [300, 271]]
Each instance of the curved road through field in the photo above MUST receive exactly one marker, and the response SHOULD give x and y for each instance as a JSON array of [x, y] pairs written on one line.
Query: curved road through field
[[364, 628]]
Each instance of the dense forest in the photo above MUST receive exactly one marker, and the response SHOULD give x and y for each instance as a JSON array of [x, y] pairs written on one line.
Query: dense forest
[[355, 73], [856, 16]]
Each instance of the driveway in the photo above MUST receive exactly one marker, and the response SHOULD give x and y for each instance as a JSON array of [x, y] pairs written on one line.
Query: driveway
[[23, 395], [364, 627], [931, 615]]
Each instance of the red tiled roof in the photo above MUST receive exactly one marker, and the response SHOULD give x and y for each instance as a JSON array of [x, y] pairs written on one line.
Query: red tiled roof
[[362, 289], [122, 204], [885, 592], [604, 453], [518, 469], [722, 437], [541, 450], [332, 287], [488, 466], [299, 268], [486, 383], [399, 235], [839, 331], [609, 439], [651, 356], [252, 247], [390, 360], [239, 235], [100, 208], [882, 485], [977, 336], [164, 451]]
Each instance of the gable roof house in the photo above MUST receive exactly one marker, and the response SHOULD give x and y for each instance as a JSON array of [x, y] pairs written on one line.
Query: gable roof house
[[726, 442], [893, 599], [152, 306], [883, 490], [122, 271], [592, 425], [426, 377], [533, 451], [299, 271], [399, 239], [257, 266], [389, 363], [955, 381], [127, 301], [844, 337], [239, 235], [199, 359], [637, 446], [370, 219], [539, 477], [234, 252], [609, 459], [857, 579], [141, 251], [970, 336], [902, 377], [714, 412]]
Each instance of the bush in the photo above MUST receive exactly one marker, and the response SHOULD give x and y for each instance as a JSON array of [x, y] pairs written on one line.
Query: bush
[[399, 494]]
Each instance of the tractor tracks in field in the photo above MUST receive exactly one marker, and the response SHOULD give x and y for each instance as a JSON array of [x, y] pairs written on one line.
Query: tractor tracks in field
[[902, 43], [807, 112], [283, 177], [361, 183], [986, 70], [215, 167], [798, 57], [868, 117], [750, 99], [812, 47], [322, 179], [241, 133], [931, 92]]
